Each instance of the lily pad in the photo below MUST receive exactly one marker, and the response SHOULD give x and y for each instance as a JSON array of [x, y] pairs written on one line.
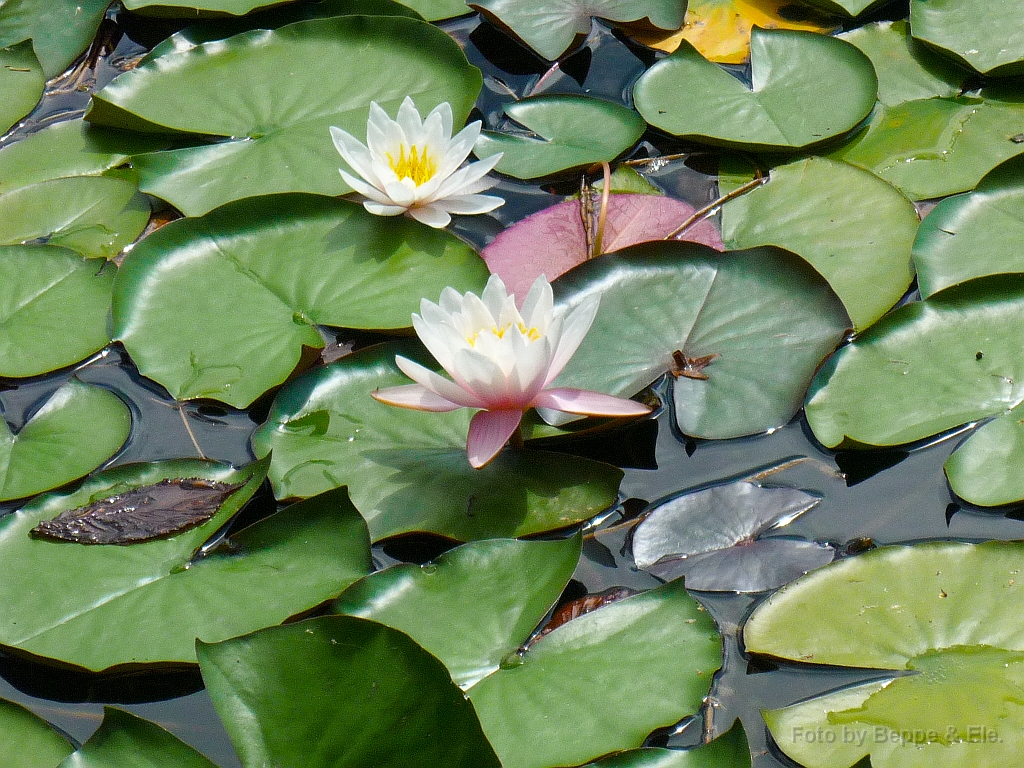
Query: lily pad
[[983, 34], [816, 208], [60, 30], [221, 306], [341, 692], [987, 468], [564, 132], [949, 612], [407, 470], [435, 10], [122, 737], [551, 27], [474, 605], [974, 234], [807, 88], [121, 606], [77, 429], [932, 147], [191, 7], [553, 241], [724, 314], [330, 67], [941, 362], [29, 741], [53, 308], [21, 81], [94, 215], [730, 750]]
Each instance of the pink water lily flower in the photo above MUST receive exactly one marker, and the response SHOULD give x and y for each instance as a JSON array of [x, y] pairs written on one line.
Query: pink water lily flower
[[501, 361]]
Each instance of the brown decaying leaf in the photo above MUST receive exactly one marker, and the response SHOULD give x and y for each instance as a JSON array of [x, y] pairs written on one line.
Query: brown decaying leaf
[[579, 607]]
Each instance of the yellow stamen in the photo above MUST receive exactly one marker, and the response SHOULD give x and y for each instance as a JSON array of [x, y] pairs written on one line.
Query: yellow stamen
[[530, 334], [420, 167]]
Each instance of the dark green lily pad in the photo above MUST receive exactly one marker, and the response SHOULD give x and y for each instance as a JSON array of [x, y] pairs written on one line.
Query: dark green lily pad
[[730, 750], [816, 208], [407, 470], [94, 215], [53, 308], [221, 306], [192, 8], [59, 29], [983, 34], [77, 429], [330, 67], [106, 607], [341, 692], [807, 88], [987, 468], [551, 27], [21, 82], [27, 741], [565, 132], [942, 362], [975, 234], [497, 591], [948, 612], [750, 328], [123, 739]]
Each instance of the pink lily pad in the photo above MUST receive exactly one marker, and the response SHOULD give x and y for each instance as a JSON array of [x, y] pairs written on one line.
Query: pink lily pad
[[553, 241]]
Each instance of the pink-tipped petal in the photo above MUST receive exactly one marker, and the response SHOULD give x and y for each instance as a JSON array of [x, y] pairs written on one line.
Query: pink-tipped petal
[[437, 384], [415, 397], [588, 403], [488, 433]]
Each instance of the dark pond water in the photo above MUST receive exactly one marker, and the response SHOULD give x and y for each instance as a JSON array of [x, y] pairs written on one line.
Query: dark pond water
[[880, 496]]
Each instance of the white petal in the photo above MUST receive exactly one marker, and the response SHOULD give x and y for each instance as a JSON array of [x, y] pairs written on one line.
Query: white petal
[[465, 178], [459, 148], [485, 379], [439, 385], [576, 325], [583, 401], [409, 119], [450, 301], [476, 314], [401, 192], [538, 306], [431, 215], [379, 209], [444, 109], [442, 341], [495, 298], [365, 189], [467, 205], [532, 367]]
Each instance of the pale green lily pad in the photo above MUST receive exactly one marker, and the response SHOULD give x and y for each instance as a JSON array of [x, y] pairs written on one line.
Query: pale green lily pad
[[816, 208], [193, 8], [94, 215], [942, 362], [983, 34], [807, 88], [744, 307], [730, 750], [108, 606], [21, 82], [341, 692], [53, 308], [60, 30], [407, 470], [931, 148], [950, 613], [975, 234], [27, 741], [551, 27], [123, 738], [435, 10], [77, 429], [988, 468], [330, 67], [568, 131], [221, 306], [845, 7]]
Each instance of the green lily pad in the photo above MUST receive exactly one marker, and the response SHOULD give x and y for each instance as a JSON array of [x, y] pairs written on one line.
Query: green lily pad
[[221, 306], [742, 307], [551, 27], [287, 86], [983, 34], [497, 590], [341, 692], [407, 470], [986, 469], [845, 7], [907, 69], [932, 147], [807, 88], [567, 132], [730, 750], [816, 208], [53, 308], [942, 362], [77, 429], [123, 738], [69, 148], [948, 612], [27, 741], [101, 607], [21, 82], [94, 215], [192, 8], [59, 29], [435, 10], [974, 234]]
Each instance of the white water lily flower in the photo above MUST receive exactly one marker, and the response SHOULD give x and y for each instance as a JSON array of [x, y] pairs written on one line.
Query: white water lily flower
[[411, 165], [500, 360]]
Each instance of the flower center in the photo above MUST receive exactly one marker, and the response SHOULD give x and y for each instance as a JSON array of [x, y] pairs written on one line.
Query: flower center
[[417, 165], [529, 334]]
